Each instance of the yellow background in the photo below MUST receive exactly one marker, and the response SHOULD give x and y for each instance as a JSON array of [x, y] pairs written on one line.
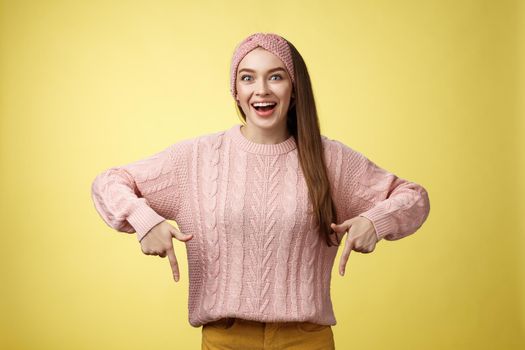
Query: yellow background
[[430, 90]]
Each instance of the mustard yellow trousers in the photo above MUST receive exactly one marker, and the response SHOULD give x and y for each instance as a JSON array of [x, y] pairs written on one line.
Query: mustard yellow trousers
[[239, 334]]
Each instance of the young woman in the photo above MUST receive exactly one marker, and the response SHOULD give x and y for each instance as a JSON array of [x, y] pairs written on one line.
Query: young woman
[[262, 208]]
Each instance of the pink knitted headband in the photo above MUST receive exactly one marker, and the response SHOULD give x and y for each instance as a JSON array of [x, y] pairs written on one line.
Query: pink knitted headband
[[269, 41]]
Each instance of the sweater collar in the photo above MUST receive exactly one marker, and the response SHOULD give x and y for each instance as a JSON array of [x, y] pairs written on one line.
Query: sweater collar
[[261, 148]]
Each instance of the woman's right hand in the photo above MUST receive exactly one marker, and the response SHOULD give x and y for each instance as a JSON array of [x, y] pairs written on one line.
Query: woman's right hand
[[158, 241]]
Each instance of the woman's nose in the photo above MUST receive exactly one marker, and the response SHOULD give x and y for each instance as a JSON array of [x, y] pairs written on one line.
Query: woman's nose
[[261, 87]]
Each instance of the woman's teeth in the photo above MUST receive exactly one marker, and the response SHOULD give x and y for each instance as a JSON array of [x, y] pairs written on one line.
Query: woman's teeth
[[264, 105], [264, 108]]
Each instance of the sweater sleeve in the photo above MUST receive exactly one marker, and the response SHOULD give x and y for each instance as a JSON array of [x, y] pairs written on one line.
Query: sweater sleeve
[[396, 207], [135, 197]]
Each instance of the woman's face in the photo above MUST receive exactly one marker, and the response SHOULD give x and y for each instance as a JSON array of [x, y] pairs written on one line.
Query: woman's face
[[262, 76]]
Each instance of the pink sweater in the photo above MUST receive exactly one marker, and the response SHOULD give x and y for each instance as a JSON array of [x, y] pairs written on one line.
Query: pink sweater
[[255, 253]]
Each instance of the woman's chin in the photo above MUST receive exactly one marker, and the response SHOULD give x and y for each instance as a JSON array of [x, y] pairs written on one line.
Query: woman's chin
[[264, 122]]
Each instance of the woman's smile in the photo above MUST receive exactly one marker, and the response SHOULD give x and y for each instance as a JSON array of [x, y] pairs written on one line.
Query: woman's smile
[[264, 109]]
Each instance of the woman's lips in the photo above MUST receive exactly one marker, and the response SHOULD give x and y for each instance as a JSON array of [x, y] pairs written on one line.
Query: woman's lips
[[265, 113]]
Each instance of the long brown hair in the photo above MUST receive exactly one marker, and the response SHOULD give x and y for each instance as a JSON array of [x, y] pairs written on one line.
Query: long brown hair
[[303, 124]]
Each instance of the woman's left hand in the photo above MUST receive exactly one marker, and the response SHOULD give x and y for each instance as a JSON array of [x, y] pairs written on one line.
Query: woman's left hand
[[361, 237]]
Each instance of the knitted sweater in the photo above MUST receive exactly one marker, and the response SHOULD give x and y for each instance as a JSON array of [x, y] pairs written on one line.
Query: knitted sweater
[[256, 252]]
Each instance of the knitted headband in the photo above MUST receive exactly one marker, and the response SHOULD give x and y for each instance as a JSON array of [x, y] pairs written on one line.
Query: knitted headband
[[269, 41]]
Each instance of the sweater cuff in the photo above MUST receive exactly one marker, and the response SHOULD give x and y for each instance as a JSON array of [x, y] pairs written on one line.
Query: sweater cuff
[[381, 220], [143, 218]]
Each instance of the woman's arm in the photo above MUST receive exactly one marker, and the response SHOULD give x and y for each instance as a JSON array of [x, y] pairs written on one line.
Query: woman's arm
[[396, 207], [137, 196]]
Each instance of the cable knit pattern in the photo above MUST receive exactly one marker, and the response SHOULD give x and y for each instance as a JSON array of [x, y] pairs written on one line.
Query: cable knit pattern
[[209, 203], [256, 251], [236, 272], [289, 205]]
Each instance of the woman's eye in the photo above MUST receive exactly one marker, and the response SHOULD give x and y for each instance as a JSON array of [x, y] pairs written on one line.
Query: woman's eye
[[275, 75]]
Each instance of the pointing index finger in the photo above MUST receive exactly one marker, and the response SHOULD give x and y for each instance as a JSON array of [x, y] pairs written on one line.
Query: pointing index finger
[[346, 254], [173, 263]]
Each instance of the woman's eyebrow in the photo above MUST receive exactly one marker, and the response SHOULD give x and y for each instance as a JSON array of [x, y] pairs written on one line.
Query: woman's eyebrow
[[271, 70]]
